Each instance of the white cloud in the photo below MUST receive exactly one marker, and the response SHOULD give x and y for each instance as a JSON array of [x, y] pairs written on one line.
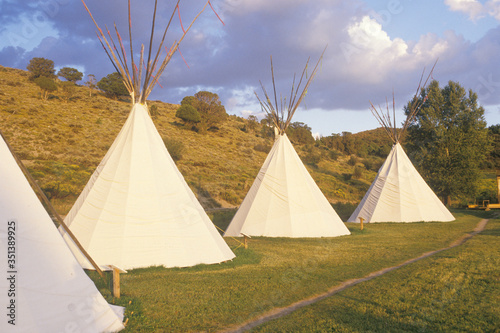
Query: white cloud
[[370, 52], [474, 9]]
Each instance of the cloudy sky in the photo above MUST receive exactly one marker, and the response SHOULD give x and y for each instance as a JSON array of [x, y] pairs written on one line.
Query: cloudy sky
[[372, 48]]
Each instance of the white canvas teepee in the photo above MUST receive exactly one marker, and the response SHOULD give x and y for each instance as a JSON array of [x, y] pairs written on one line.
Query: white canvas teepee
[[43, 289], [399, 193], [284, 200], [137, 210]]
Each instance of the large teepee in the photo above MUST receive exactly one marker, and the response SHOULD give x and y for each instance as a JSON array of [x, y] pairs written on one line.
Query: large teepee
[[284, 200], [137, 210], [399, 193], [44, 289]]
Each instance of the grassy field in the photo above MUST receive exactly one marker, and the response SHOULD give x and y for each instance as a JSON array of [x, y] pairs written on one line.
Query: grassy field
[[63, 139], [456, 290]]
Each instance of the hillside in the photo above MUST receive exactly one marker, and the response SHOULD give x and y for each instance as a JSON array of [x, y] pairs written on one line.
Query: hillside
[[63, 139]]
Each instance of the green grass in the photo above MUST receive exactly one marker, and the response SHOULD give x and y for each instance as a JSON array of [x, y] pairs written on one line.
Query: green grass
[[457, 290], [275, 272]]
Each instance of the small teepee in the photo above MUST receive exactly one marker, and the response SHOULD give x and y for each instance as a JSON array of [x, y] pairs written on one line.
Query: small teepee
[[43, 289], [284, 200], [137, 210], [399, 193]]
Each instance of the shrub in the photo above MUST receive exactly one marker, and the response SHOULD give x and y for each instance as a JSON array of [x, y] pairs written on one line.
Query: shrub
[[188, 114], [112, 85], [262, 148], [358, 172], [46, 86], [312, 158], [69, 89], [352, 160], [153, 111], [175, 148], [334, 154]]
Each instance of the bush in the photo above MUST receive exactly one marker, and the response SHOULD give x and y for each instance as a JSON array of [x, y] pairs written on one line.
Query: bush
[[344, 210], [153, 111], [69, 90], [112, 85], [46, 86], [358, 172], [175, 148], [262, 148], [188, 114], [352, 160], [334, 154], [312, 158]]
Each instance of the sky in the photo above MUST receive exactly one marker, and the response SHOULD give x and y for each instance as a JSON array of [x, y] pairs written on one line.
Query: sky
[[374, 49]]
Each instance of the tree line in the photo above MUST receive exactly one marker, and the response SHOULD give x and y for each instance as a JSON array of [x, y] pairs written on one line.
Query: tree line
[[43, 74]]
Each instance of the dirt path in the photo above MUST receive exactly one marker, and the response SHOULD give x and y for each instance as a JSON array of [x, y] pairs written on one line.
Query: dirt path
[[280, 312]]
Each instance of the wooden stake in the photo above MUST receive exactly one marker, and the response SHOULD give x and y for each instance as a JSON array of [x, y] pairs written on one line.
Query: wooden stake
[[116, 279], [245, 240], [361, 222]]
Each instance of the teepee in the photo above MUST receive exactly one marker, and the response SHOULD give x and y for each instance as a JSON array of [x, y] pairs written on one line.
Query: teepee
[[44, 289], [399, 193], [137, 210], [284, 200]]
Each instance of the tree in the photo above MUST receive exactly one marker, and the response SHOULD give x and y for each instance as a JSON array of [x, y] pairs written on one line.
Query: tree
[[300, 133], [212, 112], [91, 83], [113, 86], [188, 114], [448, 140], [494, 135], [70, 74], [203, 109], [41, 67], [68, 88], [46, 86]]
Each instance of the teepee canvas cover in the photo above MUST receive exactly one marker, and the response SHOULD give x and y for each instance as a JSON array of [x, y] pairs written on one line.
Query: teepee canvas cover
[[137, 210], [44, 286], [399, 193], [284, 200]]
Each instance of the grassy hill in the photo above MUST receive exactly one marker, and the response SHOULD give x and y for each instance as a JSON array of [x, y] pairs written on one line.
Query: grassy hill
[[63, 139]]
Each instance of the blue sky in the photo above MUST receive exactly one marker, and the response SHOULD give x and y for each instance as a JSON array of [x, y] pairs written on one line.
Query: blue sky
[[373, 48]]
